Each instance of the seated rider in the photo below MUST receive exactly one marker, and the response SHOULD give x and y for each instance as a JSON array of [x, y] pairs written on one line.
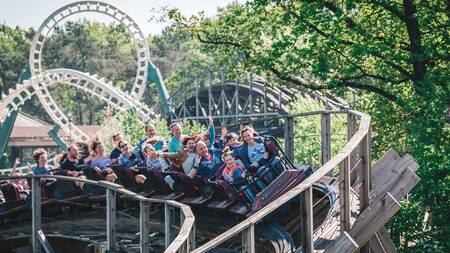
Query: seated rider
[[42, 168], [130, 159], [255, 151], [71, 164], [233, 171], [157, 141], [116, 152], [153, 160], [228, 139], [177, 137], [206, 163], [20, 184], [100, 162]]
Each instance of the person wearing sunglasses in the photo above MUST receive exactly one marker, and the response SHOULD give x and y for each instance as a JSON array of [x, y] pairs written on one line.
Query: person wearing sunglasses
[[130, 159]]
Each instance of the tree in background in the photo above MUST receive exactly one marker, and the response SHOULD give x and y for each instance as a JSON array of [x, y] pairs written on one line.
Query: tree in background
[[396, 54], [95, 48]]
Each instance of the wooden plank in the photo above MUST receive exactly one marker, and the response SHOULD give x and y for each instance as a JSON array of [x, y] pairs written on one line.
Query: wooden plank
[[344, 195], [386, 240], [325, 132], [379, 212], [346, 244], [375, 245], [392, 175], [289, 137], [248, 240], [111, 219], [308, 230]]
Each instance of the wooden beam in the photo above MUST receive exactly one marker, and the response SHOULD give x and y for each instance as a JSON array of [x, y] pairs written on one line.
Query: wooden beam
[[346, 244], [373, 218], [308, 243], [325, 133], [375, 245], [111, 219], [289, 137], [248, 240], [344, 194], [386, 240]]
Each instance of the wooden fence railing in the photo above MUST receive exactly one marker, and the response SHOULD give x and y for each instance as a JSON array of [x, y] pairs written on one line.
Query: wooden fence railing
[[354, 155], [183, 242]]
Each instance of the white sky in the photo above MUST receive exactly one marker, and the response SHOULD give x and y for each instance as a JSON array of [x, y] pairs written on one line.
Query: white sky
[[31, 13]]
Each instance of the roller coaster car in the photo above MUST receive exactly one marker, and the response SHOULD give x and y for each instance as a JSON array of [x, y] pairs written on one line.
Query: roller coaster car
[[12, 202], [251, 194]]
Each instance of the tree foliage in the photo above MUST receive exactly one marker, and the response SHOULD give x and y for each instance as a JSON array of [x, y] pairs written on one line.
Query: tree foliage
[[395, 53]]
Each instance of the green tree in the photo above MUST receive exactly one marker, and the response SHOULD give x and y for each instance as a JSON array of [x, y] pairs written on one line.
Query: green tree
[[95, 48], [395, 53]]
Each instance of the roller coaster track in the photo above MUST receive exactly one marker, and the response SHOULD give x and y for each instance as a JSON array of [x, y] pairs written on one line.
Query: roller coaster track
[[261, 100], [82, 81], [230, 101], [35, 58]]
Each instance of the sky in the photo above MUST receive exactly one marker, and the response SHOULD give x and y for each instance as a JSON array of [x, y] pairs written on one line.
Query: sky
[[31, 13]]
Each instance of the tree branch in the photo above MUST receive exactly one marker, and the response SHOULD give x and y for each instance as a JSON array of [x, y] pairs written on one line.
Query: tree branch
[[371, 88]]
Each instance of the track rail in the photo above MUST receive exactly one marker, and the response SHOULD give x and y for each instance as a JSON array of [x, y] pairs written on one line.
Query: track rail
[[77, 79], [183, 242], [35, 57]]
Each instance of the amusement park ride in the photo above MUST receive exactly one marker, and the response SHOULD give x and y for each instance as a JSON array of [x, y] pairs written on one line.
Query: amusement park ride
[[340, 207]]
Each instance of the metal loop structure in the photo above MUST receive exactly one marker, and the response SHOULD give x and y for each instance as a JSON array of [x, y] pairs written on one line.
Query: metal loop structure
[[143, 55], [82, 81], [35, 59]]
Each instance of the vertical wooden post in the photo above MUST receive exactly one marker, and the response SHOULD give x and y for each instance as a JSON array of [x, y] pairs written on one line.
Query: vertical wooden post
[[111, 219], [236, 99], [351, 130], [196, 98], [36, 213], [289, 137], [249, 79], [209, 94], [325, 133], [306, 206], [365, 173], [185, 246], [192, 244], [184, 101], [279, 101], [167, 224], [248, 240], [223, 101], [344, 194], [265, 102], [366, 177], [144, 226]]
